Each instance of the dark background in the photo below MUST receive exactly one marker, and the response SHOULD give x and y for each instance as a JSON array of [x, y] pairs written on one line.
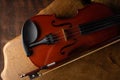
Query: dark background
[[13, 14]]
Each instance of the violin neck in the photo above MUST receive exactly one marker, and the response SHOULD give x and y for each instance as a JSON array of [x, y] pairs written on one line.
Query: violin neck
[[99, 24]]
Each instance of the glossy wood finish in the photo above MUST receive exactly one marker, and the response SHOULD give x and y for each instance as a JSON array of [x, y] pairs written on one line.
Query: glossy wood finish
[[12, 16], [20, 10], [97, 65], [14, 13], [46, 54]]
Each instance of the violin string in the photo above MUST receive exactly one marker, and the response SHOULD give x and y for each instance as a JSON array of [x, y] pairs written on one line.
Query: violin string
[[60, 30], [62, 38], [71, 32], [71, 35], [68, 29], [74, 33], [77, 36], [78, 27], [92, 28], [84, 29]]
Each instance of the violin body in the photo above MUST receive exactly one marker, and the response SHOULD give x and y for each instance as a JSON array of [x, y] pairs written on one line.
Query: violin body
[[66, 34]]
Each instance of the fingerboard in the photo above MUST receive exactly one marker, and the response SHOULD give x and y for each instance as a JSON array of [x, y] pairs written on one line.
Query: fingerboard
[[99, 24]]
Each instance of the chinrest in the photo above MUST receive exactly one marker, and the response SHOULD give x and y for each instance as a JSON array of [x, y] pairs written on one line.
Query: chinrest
[[29, 35]]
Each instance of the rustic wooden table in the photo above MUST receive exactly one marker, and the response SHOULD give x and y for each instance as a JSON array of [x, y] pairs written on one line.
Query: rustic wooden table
[[12, 16]]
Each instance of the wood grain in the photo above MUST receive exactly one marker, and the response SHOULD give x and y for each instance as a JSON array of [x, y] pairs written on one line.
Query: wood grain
[[93, 67], [102, 65], [19, 17], [16, 59], [14, 13], [12, 16], [113, 4]]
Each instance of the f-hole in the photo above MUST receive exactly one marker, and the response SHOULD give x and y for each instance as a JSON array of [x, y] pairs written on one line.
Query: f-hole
[[62, 50], [54, 24]]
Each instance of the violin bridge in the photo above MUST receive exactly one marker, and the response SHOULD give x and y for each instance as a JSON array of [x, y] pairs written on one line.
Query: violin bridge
[[64, 34]]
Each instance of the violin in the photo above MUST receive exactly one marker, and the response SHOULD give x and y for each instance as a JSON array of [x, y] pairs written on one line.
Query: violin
[[48, 40]]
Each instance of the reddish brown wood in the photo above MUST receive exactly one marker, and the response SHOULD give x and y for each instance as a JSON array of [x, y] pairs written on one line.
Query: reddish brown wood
[[12, 17], [105, 62], [46, 54]]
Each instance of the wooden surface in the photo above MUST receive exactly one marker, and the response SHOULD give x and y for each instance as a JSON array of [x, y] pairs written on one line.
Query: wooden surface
[[15, 62], [14, 13], [103, 65], [97, 66]]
